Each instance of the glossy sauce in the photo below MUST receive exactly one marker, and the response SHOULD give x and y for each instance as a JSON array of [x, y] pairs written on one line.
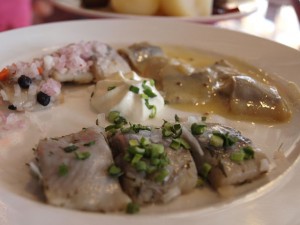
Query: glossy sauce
[[217, 104]]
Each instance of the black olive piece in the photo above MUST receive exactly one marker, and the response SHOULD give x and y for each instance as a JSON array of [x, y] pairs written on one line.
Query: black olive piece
[[24, 81], [43, 98], [12, 107]]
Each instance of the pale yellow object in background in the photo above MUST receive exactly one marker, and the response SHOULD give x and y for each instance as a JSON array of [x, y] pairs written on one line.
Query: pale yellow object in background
[[139, 7], [187, 7]]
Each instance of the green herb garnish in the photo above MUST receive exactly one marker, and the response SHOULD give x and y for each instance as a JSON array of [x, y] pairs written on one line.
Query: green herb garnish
[[63, 170], [134, 89], [132, 208], [82, 155], [111, 88], [198, 129], [89, 143], [114, 171], [70, 148]]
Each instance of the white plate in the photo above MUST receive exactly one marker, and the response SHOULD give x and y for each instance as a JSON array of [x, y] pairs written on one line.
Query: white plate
[[271, 200], [247, 7]]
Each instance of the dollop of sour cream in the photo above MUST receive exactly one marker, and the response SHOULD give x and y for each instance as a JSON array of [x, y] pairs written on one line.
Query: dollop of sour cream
[[136, 98]]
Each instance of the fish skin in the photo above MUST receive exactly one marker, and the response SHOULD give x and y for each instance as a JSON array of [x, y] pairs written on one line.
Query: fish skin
[[87, 185]]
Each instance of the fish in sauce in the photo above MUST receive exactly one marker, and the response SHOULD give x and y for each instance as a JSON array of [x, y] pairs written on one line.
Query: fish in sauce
[[220, 85]]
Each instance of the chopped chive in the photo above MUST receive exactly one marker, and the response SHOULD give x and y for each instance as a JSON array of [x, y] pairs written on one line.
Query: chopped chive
[[175, 144], [120, 121], [166, 132], [111, 88], [206, 168], [152, 82], [157, 150], [155, 161], [216, 141], [144, 141], [112, 116], [177, 118], [184, 144], [132, 208], [140, 166], [134, 89], [149, 93], [89, 143], [249, 152], [63, 170], [227, 139], [136, 150], [136, 158], [237, 156], [153, 112], [203, 118], [114, 171], [70, 148], [133, 142], [161, 175], [82, 155], [144, 96], [198, 129]]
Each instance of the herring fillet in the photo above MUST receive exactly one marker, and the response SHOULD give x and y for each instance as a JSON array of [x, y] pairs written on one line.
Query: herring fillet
[[224, 171], [86, 185], [143, 188]]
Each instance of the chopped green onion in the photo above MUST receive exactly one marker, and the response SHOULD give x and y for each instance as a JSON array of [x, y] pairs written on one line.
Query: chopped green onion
[[89, 143], [120, 121], [155, 161], [161, 175], [166, 132], [70, 148], [216, 141], [134, 89], [136, 158], [112, 116], [177, 118], [114, 171], [111, 88], [144, 96], [149, 93], [237, 156], [198, 129], [63, 170], [179, 142], [140, 166], [228, 140], [203, 118], [249, 152], [152, 82], [206, 168], [153, 112], [82, 155], [132, 208], [175, 144], [138, 127], [144, 141], [136, 150], [157, 150], [133, 142]]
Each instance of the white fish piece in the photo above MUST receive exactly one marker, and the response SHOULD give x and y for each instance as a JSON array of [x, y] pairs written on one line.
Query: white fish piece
[[75, 172]]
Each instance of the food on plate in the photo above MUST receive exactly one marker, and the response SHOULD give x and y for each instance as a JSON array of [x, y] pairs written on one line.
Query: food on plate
[[220, 84], [138, 7], [229, 158], [187, 7], [124, 92], [132, 164], [73, 171], [155, 169], [181, 8], [37, 84]]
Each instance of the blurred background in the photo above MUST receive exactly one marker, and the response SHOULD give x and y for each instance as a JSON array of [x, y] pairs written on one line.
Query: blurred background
[[277, 20]]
